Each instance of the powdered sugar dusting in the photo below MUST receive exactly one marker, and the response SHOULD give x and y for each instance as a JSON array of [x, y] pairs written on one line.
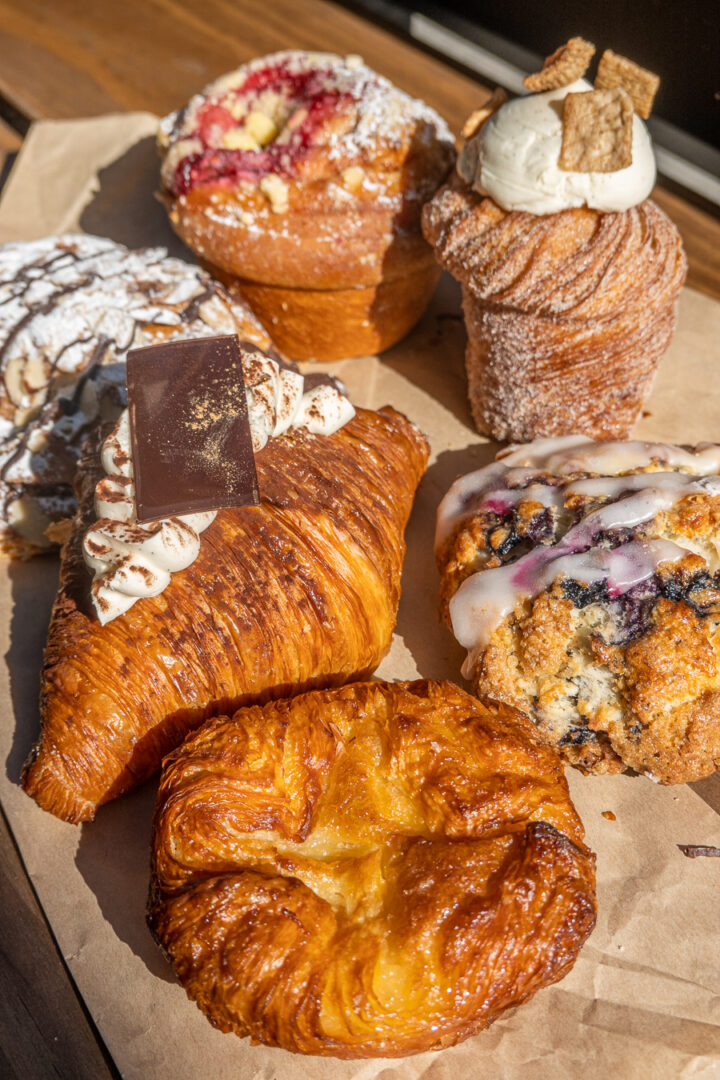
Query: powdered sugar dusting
[[70, 308], [308, 100]]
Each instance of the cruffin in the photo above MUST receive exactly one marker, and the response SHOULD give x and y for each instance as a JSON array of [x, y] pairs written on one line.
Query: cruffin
[[597, 131], [477, 118], [642, 85], [564, 66]]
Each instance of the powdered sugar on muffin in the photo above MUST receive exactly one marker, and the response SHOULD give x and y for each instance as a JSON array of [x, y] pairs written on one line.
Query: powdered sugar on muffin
[[272, 115]]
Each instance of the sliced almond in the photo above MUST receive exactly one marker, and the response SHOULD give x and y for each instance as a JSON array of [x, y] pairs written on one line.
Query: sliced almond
[[35, 375], [13, 377]]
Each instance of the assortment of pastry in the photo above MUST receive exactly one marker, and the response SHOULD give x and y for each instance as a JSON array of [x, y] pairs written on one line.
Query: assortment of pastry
[[343, 867]]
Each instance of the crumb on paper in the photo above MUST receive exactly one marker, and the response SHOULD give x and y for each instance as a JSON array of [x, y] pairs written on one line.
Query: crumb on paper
[[697, 851], [617, 71], [597, 131], [608, 814], [564, 66]]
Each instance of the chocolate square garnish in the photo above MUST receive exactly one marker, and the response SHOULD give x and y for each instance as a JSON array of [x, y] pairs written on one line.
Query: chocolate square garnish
[[189, 426]]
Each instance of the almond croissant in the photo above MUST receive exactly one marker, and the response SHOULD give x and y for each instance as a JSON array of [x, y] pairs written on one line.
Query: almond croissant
[[301, 591], [377, 870]]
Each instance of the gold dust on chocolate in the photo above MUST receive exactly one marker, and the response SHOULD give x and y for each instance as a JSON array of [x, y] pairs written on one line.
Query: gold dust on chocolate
[[190, 431]]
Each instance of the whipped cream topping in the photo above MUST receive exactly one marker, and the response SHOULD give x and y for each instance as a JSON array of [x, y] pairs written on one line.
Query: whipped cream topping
[[130, 560], [596, 548], [514, 159]]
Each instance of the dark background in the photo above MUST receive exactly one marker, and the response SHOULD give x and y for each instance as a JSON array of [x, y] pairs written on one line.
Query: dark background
[[680, 41]]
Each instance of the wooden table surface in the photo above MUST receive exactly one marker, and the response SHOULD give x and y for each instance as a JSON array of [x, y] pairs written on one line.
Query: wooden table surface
[[72, 59]]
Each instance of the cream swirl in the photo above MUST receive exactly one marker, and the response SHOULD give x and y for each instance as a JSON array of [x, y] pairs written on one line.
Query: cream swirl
[[514, 160], [130, 560]]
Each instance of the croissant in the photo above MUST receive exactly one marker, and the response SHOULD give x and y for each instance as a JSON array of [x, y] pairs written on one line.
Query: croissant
[[376, 870], [568, 314], [301, 591]]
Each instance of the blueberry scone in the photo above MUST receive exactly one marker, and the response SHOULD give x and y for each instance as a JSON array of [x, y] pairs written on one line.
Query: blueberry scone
[[70, 308], [583, 579]]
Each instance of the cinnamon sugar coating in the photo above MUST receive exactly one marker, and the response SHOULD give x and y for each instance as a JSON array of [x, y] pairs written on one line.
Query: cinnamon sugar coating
[[371, 871], [300, 591], [568, 313]]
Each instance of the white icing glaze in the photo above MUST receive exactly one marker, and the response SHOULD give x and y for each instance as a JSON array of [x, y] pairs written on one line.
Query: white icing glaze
[[487, 597], [130, 560], [576, 453], [514, 158]]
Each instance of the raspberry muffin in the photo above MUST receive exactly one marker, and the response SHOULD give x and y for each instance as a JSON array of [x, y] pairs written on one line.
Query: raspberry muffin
[[584, 580], [299, 180]]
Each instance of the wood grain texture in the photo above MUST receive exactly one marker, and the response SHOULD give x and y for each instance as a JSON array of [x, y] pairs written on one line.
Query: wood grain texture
[[9, 141], [44, 1032], [69, 59]]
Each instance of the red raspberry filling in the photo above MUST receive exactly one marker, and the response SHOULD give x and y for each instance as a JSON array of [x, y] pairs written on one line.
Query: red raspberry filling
[[312, 90]]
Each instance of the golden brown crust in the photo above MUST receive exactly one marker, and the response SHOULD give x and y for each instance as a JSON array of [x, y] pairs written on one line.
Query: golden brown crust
[[568, 314], [611, 685], [333, 211], [377, 870], [299, 592], [322, 324], [362, 295]]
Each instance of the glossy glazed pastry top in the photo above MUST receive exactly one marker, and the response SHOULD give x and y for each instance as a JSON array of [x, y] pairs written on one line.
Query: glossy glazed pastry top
[[371, 871]]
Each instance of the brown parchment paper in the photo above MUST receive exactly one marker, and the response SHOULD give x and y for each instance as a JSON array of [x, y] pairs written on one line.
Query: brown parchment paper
[[643, 1000]]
